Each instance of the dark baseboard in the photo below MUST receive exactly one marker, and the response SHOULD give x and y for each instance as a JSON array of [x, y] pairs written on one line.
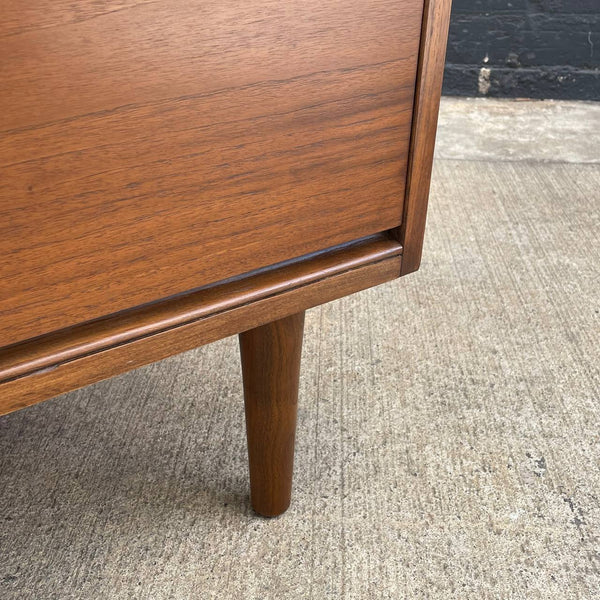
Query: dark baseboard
[[560, 83]]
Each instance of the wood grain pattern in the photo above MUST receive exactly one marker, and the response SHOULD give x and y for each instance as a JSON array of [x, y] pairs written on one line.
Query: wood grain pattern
[[426, 107], [34, 371], [150, 148], [271, 369]]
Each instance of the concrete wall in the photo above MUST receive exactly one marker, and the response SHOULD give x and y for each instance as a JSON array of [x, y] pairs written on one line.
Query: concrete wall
[[524, 48]]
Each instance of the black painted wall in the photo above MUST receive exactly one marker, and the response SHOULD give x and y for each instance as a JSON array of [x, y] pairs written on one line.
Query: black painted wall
[[524, 48]]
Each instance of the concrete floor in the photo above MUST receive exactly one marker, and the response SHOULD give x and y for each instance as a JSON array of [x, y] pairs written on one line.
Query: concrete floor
[[448, 440], [516, 130]]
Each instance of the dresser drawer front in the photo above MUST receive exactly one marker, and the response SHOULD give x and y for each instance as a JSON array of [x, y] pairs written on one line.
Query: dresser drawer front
[[149, 148]]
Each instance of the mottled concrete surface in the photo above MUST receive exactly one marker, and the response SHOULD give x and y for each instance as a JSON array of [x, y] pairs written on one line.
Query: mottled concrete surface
[[448, 437], [513, 130]]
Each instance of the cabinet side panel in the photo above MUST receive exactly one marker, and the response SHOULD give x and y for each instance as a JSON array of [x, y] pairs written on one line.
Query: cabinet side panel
[[436, 20]]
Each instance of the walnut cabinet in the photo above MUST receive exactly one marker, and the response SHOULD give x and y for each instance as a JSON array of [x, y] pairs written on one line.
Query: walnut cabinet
[[173, 172]]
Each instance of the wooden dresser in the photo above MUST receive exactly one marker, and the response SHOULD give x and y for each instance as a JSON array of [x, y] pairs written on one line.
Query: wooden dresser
[[173, 172]]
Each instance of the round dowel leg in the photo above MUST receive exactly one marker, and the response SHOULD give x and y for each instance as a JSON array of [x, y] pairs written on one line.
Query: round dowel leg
[[271, 371]]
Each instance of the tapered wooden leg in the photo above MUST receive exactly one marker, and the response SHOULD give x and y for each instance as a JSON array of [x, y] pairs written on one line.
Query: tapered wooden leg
[[271, 370]]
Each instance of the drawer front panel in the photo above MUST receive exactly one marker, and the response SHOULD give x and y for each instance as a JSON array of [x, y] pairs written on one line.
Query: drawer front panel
[[149, 148]]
